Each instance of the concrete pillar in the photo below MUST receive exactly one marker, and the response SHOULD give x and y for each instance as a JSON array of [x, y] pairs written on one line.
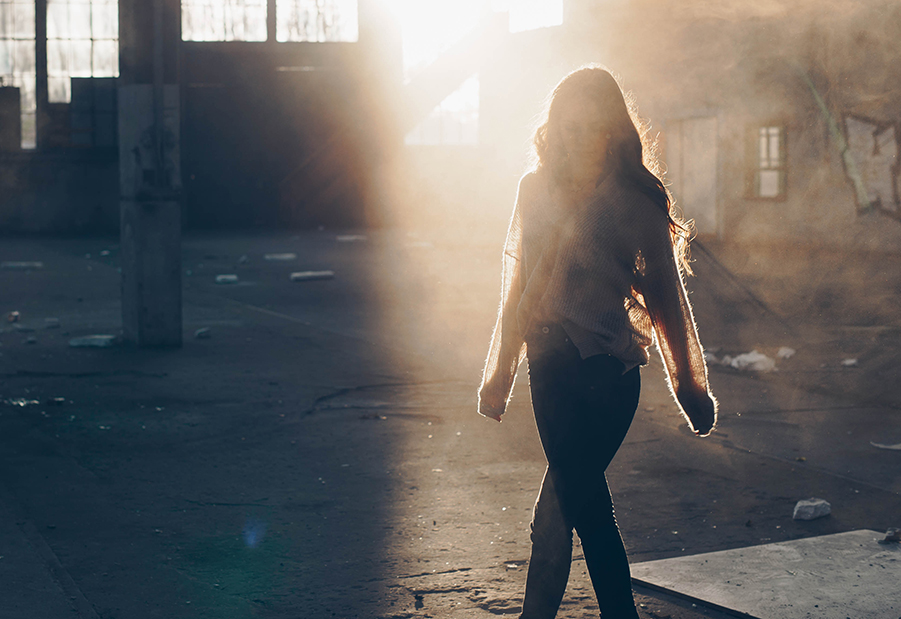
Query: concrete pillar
[[150, 172], [151, 272]]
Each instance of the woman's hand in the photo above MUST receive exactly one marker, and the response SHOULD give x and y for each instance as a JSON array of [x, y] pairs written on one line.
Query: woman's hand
[[490, 405], [700, 407]]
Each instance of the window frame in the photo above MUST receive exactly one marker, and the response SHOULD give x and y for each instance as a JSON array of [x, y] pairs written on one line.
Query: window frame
[[757, 162]]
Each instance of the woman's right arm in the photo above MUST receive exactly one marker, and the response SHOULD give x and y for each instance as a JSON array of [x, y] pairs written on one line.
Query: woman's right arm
[[507, 346]]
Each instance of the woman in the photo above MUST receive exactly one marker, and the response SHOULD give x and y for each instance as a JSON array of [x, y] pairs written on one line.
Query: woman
[[591, 278]]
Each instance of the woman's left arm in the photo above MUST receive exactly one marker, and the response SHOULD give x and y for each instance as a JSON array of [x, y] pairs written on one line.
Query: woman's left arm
[[674, 328]]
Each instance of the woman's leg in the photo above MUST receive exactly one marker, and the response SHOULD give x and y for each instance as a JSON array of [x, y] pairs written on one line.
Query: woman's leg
[[552, 552], [583, 409]]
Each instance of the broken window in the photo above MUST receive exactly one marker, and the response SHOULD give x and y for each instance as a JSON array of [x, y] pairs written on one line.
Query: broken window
[[17, 64], [317, 20], [874, 151], [768, 179], [82, 41], [455, 121], [223, 20]]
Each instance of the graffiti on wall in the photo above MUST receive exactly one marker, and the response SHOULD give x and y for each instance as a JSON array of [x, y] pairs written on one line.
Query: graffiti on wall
[[874, 149]]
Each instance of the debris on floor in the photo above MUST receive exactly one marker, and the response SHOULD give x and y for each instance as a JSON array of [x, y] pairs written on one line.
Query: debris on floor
[[286, 257], [203, 333], [896, 447], [21, 266], [94, 341], [849, 363], [753, 361], [892, 536], [12, 317], [350, 238], [785, 353], [305, 276], [811, 509], [227, 279], [243, 259], [51, 323]]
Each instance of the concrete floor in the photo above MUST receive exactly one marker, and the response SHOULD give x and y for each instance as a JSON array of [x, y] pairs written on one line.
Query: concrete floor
[[320, 455]]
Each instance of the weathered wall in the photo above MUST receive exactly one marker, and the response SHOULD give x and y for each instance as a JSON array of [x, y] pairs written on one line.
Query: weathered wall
[[65, 193]]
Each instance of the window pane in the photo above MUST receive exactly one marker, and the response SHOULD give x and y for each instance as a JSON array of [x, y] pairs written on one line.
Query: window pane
[[57, 58], [774, 148], [7, 21], [24, 21], [79, 21], [764, 162], [80, 59], [223, 20], [317, 20], [769, 183], [6, 57], [59, 89], [24, 57], [29, 131], [57, 20], [106, 59], [105, 21]]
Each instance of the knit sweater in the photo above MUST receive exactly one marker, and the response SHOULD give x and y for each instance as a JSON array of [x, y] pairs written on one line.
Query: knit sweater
[[605, 270]]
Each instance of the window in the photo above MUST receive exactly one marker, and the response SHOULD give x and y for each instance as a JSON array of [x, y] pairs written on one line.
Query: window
[[455, 121], [531, 14], [769, 163], [17, 64], [317, 20], [82, 41], [223, 20]]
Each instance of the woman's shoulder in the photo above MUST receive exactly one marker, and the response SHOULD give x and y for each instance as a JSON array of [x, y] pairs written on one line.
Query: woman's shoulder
[[532, 183]]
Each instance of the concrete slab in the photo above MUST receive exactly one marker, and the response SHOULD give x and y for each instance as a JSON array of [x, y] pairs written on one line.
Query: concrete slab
[[840, 576]]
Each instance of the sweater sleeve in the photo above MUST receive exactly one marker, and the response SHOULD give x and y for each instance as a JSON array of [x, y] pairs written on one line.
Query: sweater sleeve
[[675, 331], [507, 347]]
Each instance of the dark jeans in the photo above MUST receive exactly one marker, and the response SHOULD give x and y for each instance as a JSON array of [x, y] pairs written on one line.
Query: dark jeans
[[583, 409]]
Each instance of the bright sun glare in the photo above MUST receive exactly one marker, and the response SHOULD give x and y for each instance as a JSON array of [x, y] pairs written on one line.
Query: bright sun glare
[[431, 26]]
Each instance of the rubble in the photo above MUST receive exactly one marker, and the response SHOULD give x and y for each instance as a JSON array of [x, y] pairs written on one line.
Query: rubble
[[286, 257], [12, 317], [753, 361], [51, 323], [305, 276], [350, 238], [94, 341], [896, 447], [785, 353], [13, 265], [203, 334], [227, 279], [811, 509], [892, 536], [849, 363]]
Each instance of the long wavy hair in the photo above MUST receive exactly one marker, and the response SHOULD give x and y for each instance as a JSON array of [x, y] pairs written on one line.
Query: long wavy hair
[[631, 155]]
